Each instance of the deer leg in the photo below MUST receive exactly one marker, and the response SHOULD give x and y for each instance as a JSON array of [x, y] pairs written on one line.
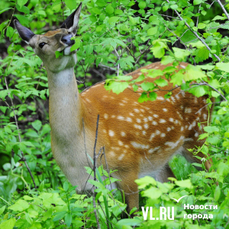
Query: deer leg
[[130, 188]]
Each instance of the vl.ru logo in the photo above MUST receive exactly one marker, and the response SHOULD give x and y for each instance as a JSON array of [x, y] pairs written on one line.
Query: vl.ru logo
[[164, 212]]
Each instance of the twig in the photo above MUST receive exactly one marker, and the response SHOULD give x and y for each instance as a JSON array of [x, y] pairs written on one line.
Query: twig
[[94, 169], [206, 84], [209, 49], [100, 74], [118, 66], [19, 136], [224, 10]]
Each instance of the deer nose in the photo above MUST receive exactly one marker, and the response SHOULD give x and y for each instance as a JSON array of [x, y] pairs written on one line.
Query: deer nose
[[66, 39]]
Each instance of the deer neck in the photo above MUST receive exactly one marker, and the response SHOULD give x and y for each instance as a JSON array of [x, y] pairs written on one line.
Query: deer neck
[[65, 108]]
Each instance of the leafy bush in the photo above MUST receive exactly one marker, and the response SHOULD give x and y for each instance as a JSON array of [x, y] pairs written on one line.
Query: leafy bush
[[114, 37]]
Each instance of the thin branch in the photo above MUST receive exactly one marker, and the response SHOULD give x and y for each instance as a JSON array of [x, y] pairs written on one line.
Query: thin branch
[[195, 34], [118, 66], [94, 169], [224, 10], [100, 74], [206, 84], [19, 136]]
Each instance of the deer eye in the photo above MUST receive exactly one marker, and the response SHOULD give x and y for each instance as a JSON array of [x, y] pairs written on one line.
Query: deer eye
[[42, 44]]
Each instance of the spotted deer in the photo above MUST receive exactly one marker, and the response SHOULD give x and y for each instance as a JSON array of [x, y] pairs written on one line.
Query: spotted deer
[[139, 138]]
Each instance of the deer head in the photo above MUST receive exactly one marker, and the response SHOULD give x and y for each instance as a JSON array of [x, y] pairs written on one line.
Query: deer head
[[45, 46]]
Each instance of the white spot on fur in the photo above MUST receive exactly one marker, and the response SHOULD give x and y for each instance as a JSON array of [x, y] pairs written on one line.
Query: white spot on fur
[[145, 119], [154, 123], [112, 153], [123, 134], [121, 157], [138, 126], [187, 110], [120, 117], [138, 120], [173, 145], [205, 116], [162, 121], [160, 98], [139, 146], [105, 116], [152, 136], [146, 126], [128, 119], [153, 150], [120, 143], [165, 109], [136, 110], [111, 133]]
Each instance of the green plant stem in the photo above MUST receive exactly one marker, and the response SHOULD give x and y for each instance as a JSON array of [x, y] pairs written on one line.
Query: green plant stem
[[4, 200]]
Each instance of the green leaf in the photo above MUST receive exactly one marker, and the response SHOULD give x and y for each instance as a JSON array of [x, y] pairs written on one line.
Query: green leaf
[[19, 206], [211, 129], [8, 224], [158, 48], [123, 223], [198, 91], [109, 9], [154, 20], [37, 125], [9, 32], [177, 78], [161, 82], [145, 181], [146, 86], [201, 54], [143, 98], [193, 73], [59, 215], [184, 183], [217, 193], [113, 20], [153, 96], [23, 20], [21, 2], [116, 86], [101, 3], [167, 60], [68, 219], [197, 2], [70, 4], [181, 54], [223, 66], [142, 5], [77, 44], [153, 193], [2, 209], [152, 31]]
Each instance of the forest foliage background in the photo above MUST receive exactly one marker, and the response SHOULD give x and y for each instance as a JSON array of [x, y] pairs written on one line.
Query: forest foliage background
[[114, 38]]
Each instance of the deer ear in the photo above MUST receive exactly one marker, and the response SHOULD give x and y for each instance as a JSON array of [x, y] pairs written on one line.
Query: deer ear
[[25, 33], [71, 23]]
